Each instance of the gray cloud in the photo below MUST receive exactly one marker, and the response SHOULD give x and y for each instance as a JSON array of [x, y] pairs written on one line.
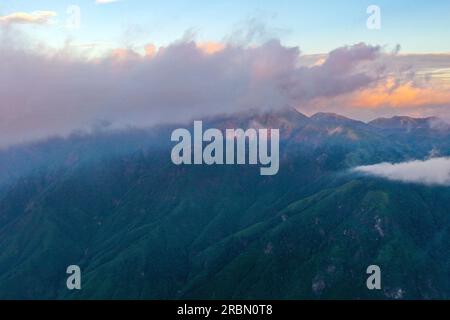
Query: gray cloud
[[45, 92], [434, 171]]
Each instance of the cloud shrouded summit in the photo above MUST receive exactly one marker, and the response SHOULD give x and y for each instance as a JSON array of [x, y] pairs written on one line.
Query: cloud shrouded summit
[[53, 93]]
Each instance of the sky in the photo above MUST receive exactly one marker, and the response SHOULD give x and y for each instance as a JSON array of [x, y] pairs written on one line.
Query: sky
[[316, 26], [70, 65]]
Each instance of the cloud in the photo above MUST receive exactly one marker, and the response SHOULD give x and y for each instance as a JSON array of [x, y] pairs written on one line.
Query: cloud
[[405, 95], [36, 17], [211, 47], [46, 92], [337, 74], [434, 171], [105, 1], [416, 85]]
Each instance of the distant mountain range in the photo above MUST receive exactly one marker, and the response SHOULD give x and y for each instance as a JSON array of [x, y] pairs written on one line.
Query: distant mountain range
[[142, 228]]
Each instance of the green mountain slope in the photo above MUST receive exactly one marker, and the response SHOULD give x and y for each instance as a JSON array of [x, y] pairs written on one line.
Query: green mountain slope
[[141, 228]]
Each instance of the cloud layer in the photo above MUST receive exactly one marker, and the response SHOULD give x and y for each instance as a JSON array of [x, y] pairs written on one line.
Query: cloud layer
[[434, 171], [45, 92], [54, 92]]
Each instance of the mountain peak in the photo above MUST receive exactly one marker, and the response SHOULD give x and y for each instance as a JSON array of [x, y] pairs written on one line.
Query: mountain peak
[[328, 115], [404, 122], [333, 118]]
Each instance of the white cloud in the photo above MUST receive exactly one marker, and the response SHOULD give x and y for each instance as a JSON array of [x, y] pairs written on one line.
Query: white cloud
[[36, 17], [434, 171]]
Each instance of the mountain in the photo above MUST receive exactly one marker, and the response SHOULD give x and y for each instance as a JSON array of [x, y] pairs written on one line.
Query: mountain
[[333, 118], [404, 123], [421, 133], [142, 228]]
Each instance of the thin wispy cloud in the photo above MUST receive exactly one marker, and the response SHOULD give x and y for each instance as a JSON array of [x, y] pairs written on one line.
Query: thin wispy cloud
[[434, 171], [36, 18]]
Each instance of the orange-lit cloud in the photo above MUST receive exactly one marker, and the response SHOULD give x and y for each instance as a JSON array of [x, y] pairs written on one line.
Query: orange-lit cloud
[[211, 47], [402, 96], [150, 50], [123, 55]]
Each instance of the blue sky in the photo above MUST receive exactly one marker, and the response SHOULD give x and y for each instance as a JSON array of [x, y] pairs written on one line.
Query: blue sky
[[315, 26]]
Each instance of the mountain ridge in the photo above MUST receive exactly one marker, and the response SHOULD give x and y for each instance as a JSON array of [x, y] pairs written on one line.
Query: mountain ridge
[[140, 227]]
